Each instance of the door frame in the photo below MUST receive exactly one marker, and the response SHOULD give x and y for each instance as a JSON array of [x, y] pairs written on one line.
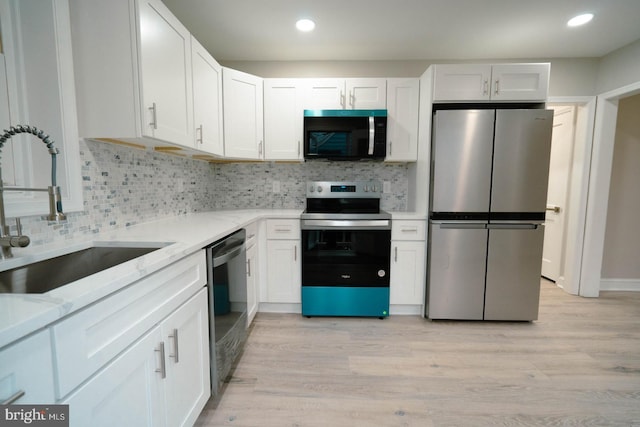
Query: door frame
[[578, 191], [599, 182]]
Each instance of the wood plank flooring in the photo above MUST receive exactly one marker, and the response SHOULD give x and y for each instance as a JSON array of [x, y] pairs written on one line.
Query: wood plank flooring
[[578, 365]]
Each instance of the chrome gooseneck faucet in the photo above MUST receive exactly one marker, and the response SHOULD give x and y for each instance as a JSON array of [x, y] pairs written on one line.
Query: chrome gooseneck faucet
[[7, 241]]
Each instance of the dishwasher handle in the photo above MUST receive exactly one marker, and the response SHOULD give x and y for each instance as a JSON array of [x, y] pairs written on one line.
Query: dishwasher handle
[[227, 253]]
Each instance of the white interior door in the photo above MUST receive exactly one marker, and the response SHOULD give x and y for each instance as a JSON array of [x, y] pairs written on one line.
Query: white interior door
[[559, 174]]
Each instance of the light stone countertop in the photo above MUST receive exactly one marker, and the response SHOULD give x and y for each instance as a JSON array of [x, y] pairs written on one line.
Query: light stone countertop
[[22, 314]]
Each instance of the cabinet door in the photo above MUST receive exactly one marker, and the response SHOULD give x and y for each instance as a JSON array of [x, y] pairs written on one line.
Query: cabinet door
[[283, 271], [324, 94], [461, 82], [207, 100], [252, 283], [243, 121], [26, 371], [165, 58], [519, 82], [283, 119], [402, 119], [128, 392], [186, 337], [407, 281], [365, 94]]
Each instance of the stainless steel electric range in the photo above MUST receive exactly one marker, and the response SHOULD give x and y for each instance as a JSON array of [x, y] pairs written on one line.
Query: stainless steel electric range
[[346, 250]]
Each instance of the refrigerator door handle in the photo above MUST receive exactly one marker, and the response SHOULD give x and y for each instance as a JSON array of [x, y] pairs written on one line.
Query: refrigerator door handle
[[513, 226], [458, 226]]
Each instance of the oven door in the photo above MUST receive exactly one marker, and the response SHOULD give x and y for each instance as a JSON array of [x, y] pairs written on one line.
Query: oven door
[[345, 253]]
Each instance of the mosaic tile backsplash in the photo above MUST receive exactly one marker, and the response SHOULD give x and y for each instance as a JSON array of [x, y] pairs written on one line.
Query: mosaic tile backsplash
[[124, 186]]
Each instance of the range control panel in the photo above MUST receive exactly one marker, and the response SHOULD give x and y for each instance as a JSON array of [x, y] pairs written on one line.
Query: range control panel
[[344, 189]]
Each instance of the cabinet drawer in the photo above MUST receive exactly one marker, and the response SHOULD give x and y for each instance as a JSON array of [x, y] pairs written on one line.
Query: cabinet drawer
[[86, 341], [408, 230], [287, 229], [26, 371]]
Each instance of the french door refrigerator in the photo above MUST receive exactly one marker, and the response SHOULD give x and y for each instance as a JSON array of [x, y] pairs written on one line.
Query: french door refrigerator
[[488, 195]]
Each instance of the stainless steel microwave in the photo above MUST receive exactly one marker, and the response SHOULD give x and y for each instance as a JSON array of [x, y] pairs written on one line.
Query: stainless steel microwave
[[345, 134]]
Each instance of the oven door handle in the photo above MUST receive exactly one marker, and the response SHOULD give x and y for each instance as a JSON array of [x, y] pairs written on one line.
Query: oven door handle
[[326, 224]]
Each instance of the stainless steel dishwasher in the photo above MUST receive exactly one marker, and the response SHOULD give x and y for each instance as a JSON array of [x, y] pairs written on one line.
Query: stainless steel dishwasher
[[227, 289]]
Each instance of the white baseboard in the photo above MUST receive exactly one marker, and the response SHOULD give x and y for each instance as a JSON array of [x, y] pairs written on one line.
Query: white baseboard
[[405, 310], [272, 307], [620, 285]]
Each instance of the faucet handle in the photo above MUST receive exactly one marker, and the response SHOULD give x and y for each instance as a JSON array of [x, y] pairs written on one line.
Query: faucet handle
[[18, 226]]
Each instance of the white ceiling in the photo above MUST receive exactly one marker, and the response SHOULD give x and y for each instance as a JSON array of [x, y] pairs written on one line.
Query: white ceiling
[[264, 30]]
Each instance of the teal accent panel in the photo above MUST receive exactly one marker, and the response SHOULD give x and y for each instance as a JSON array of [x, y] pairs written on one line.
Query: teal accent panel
[[345, 301], [345, 113]]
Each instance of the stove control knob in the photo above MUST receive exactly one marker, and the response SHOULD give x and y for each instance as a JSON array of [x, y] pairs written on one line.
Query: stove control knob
[[366, 188], [374, 189], [319, 189], [311, 189]]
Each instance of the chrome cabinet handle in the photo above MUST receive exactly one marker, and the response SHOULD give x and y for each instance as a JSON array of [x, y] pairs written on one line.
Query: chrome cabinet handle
[[352, 99], [396, 254], [175, 346], [295, 252], [249, 267], [298, 148], [390, 147], [342, 99], [497, 87], [485, 87], [260, 148], [154, 121], [199, 140], [13, 398], [163, 367]]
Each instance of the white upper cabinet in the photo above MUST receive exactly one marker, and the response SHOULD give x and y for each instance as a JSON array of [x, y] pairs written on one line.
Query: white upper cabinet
[[520, 82], [165, 59], [403, 98], [486, 82], [349, 94], [133, 68], [243, 115], [37, 88], [283, 119], [207, 100]]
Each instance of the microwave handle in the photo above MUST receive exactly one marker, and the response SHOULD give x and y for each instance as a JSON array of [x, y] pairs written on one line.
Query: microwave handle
[[372, 134]]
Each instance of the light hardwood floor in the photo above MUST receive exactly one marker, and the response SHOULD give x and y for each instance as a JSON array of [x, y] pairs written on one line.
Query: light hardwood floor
[[578, 365]]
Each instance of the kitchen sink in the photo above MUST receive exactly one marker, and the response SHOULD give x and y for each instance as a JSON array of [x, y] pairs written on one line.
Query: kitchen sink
[[43, 276]]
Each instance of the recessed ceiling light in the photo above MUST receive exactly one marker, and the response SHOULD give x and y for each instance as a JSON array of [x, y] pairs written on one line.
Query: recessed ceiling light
[[580, 20], [305, 25]]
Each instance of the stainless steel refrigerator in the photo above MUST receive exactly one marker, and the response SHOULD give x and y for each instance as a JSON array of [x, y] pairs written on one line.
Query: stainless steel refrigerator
[[489, 176]]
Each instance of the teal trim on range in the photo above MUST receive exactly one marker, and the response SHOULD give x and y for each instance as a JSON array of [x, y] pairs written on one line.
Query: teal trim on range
[[345, 113], [345, 301]]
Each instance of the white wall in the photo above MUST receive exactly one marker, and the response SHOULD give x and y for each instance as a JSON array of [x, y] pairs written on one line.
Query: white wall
[[569, 77], [622, 236], [619, 68]]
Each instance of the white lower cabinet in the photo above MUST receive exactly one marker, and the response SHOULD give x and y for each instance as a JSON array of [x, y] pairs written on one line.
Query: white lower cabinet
[[408, 266], [188, 387], [128, 392], [160, 380], [283, 261], [252, 283], [26, 371]]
